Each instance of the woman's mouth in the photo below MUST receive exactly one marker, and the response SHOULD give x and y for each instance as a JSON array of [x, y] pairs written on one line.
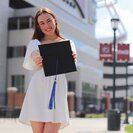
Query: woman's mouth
[[48, 29]]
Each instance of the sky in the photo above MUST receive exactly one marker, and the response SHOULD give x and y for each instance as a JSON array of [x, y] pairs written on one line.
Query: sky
[[124, 9]]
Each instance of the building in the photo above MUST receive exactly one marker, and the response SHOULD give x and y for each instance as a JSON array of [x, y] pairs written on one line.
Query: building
[[77, 20]]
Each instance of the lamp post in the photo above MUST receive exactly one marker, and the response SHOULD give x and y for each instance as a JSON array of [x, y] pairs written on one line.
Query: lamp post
[[114, 23], [126, 102]]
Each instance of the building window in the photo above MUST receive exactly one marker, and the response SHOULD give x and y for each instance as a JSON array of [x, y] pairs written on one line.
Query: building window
[[72, 4], [89, 96], [12, 23], [18, 82], [89, 91], [18, 51], [20, 23], [71, 86], [24, 23]]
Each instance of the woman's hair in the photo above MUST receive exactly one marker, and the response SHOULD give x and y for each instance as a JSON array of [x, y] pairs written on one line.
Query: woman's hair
[[38, 34]]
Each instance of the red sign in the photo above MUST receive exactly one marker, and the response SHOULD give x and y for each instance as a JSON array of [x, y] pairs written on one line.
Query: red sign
[[105, 51], [123, 52]]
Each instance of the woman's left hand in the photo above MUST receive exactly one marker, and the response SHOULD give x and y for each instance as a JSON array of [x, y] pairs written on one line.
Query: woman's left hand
[[74, 56]]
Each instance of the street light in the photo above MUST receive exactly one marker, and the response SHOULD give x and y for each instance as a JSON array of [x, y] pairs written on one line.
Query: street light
[[114, 23], [126, 103]]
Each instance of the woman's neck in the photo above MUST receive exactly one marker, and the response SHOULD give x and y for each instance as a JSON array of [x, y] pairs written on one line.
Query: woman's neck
[[51, 38]]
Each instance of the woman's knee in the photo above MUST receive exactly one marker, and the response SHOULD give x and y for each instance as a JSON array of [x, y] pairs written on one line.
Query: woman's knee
[[37, 127], [52, 127]]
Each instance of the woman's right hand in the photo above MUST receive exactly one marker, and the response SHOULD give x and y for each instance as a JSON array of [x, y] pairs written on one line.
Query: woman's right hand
[[37, 59], [38, 62]]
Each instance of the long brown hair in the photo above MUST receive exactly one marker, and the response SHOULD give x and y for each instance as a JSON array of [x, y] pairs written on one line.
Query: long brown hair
[[38, 34]]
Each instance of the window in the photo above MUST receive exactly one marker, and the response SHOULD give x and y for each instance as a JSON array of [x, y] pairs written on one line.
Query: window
[[71, 86], [89, 90], [20, 23], [25, 23], [18, 82], [13, 23], [18, 51], [89, 95]]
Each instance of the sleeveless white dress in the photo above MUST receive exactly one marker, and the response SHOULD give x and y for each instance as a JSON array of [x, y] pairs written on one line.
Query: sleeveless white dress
[[35, 105]]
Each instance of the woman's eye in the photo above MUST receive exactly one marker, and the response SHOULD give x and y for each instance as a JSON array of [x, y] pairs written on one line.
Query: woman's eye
[[49, 20], [41, 23]]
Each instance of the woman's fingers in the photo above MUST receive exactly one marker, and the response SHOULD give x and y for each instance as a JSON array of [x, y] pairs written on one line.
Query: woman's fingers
[[38, 61], [74, 56]]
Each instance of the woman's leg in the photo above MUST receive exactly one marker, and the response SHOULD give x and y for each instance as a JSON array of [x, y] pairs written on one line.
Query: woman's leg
[[51, 127], [37, 127]]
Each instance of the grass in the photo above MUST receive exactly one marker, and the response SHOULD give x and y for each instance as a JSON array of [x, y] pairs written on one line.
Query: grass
[[95, 115], [100, 115], [129, 128]]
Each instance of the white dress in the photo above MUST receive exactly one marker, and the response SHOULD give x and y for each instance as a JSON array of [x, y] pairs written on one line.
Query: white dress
[[35, 105]]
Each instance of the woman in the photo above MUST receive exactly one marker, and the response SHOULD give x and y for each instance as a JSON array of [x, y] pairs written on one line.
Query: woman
[[35, 109]]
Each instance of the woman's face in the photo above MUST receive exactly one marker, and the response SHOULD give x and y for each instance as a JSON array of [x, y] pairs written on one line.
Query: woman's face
[[47, 24]]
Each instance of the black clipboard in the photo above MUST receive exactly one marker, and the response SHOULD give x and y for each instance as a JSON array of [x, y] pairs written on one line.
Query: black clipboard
[[57, 58]]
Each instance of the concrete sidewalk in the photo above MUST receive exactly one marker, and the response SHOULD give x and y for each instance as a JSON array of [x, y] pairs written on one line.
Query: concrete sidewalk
[[77, 125]]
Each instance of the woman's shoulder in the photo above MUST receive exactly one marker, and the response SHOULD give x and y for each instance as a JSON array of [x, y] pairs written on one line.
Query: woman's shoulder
[[34, 42], [71, 41], [72, 44]]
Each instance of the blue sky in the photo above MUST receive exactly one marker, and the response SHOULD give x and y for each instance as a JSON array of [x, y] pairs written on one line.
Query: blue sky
[[125, 11]]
